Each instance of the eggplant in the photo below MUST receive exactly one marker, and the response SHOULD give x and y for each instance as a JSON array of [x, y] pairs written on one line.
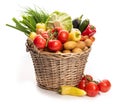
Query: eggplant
[[77, 21]]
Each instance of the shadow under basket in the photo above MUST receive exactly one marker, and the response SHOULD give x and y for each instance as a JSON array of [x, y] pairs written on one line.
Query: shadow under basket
[[55, 69]]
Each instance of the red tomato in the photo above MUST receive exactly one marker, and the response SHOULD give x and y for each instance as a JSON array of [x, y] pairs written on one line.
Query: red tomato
[[39, 42], [92, 89], [82, 84], [87, 78], [54, 45], [63, 36], [56, 29], [45, 35], [104, 85], [39, 31]]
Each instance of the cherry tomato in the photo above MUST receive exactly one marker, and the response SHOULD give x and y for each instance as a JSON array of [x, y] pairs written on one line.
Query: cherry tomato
[[63, 36], [87, 78], [82, 84], [92, 89], [104, 85], [54, 45], [39, 42]]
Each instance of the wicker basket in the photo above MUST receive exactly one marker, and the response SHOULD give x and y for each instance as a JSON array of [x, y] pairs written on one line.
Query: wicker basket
[[55, 69]]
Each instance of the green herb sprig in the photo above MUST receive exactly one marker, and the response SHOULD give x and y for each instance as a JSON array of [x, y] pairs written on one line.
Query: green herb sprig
[[29, 20]]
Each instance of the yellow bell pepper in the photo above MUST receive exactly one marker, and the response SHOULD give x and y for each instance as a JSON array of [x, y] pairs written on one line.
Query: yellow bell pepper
[[70, 90], [41, 26], [74, 35], [32, 35]]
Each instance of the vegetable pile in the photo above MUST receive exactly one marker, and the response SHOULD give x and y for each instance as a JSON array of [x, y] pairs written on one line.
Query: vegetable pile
[[56, 32], [93, 87], [87, 86]]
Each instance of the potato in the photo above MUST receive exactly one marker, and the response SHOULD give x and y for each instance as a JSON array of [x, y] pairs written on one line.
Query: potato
[[86, 48], [77, 50], [69, 45], [83, 38], [88, 42], [92, 38], [66, 51], [81, 44]]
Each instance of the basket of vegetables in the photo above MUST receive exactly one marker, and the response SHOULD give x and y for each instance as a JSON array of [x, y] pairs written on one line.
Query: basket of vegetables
[[58, 45]]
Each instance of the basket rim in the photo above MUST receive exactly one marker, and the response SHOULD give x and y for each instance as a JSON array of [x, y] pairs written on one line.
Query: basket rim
[[62, 54]]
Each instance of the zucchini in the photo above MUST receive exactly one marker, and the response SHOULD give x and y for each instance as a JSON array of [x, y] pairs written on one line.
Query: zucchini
[[84, 25]]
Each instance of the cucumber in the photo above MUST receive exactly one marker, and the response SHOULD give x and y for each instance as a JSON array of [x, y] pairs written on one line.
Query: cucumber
[[84, 25]]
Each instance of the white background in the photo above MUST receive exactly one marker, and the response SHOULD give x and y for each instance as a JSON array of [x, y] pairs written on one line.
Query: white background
[[17, 77]]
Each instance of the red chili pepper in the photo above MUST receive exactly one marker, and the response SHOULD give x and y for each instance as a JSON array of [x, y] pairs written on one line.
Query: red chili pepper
[[89, 31]]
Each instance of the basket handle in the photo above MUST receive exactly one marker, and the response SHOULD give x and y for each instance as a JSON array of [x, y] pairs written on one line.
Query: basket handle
[[29, 45]]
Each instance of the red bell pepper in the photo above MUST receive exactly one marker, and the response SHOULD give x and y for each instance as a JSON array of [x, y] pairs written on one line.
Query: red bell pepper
[[89, 31]]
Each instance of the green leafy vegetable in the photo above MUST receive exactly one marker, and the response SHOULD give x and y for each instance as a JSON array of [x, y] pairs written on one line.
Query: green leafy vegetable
[[29, 20], [61, 19]]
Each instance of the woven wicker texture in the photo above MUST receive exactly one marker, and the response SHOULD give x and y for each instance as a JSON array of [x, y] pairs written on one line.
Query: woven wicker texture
[[56, 69]]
